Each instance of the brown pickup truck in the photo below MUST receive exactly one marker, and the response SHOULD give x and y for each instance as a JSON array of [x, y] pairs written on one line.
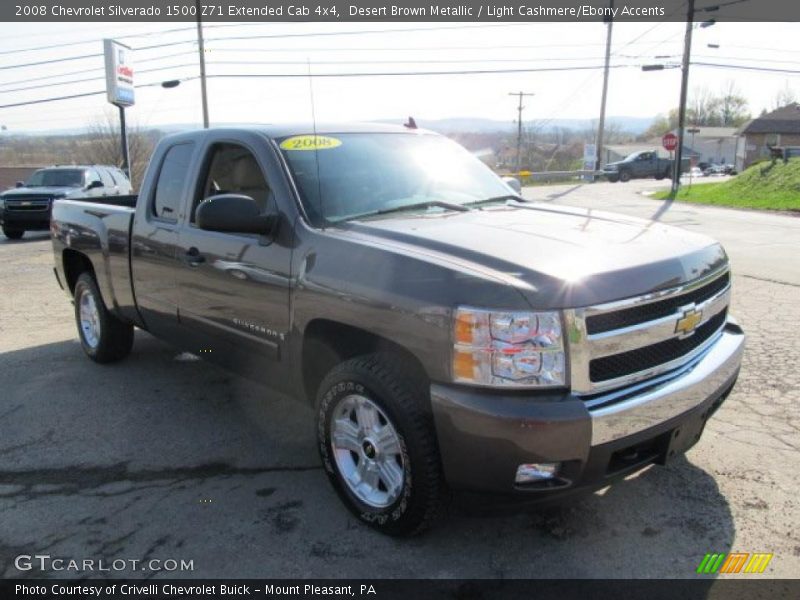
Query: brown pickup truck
[[450, 335]]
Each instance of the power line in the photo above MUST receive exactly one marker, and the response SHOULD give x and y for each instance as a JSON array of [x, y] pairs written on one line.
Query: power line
[[412, 73], [327, 75], [88, 79], [83, 95], [268, 36], [296, 62], [82, 71], [746, 68]]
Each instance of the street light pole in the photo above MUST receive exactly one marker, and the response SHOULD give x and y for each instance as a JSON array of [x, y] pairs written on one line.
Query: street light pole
[[202, 50], [602, 123], [687, 51]]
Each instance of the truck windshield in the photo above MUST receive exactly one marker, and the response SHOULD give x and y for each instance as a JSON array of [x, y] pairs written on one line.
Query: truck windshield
[[355, 175], [56, 178]]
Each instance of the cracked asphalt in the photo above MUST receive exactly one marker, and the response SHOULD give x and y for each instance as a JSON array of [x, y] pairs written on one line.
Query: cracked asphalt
[[164, 457]]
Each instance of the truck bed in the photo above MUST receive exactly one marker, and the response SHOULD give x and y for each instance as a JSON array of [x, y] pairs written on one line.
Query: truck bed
[[100, 229]]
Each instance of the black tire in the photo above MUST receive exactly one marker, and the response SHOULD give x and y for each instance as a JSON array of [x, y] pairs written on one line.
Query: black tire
[[661, 176], [624, 176], [115, 338], [405, 404], [12, 233], [613, 178]]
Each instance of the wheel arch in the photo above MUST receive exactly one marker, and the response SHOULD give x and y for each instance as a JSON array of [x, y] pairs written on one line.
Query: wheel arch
[[75, 263], [326, 343]]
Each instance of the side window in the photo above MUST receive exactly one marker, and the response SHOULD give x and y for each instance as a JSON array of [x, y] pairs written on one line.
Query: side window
[[106, 178], [172, 181], [92, 175], [232, 169]]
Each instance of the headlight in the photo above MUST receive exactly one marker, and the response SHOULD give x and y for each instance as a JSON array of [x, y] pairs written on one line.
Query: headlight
[[2, 204], [508, 349]]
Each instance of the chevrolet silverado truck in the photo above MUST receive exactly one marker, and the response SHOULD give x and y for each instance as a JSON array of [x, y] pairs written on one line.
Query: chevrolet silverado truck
[[640, 165], [449, 335]]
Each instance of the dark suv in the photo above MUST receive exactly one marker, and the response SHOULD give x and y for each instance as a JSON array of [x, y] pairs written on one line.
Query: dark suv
[[28, 207]]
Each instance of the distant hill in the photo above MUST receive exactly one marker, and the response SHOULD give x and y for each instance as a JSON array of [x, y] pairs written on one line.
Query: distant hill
[[634, 125]]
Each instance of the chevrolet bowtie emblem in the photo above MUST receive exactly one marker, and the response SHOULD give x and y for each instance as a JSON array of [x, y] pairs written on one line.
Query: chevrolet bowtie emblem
[[689, 321]]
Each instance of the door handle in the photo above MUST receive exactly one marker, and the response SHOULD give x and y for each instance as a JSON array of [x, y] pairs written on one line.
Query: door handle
[[193, 257]]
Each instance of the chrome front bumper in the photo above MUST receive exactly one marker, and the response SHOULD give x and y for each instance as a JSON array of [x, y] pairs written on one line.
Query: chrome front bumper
[[658, 402]]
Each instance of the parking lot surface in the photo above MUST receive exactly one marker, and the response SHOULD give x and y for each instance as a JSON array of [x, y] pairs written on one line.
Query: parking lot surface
[[165, 457]]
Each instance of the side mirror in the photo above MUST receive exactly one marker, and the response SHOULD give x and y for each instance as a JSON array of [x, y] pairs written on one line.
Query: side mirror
[[233, 213], [20, 184], [513, 183], [94, 184]]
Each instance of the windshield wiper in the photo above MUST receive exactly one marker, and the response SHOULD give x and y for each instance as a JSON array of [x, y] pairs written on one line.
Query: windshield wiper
[[415, 206], [502, 198]]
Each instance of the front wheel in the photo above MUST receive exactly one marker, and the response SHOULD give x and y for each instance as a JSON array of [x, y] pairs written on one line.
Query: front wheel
[[624, 176], [378, 445], [13, 233], [613, 178], [103, 336]]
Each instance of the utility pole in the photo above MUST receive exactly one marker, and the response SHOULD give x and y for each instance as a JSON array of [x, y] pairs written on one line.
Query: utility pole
[[519, 127], [201, 48], [602, 124], [687, 51]]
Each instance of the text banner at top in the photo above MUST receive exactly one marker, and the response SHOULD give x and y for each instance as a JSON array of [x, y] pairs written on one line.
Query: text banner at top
[[398, 10]]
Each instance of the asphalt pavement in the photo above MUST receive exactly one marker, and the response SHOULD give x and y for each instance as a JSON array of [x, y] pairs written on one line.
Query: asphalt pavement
[[169, 458]]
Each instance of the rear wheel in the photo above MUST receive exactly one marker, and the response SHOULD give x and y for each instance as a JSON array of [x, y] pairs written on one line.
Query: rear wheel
[[103, 336], [378, 446], [13, 233]]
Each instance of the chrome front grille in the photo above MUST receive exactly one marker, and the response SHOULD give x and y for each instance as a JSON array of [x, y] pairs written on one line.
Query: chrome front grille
[[25, 204], [628, 341]]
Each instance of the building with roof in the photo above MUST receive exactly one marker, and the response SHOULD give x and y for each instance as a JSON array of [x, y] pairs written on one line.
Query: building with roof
[[781, 127]]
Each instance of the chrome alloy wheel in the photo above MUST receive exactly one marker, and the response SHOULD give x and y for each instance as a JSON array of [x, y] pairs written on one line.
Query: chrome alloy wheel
[[367, 451], [90, 319]]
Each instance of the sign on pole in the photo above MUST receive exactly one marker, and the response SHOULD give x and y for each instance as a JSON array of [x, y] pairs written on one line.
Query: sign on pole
[[119, 73], [669, 141]]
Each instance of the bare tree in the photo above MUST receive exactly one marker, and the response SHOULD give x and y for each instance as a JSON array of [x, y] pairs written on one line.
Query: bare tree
[[785, 96], [101, 145], [700, 109], [730, 107]]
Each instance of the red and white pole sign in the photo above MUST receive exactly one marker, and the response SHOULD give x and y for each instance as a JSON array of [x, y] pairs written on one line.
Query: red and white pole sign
[[669, 141]]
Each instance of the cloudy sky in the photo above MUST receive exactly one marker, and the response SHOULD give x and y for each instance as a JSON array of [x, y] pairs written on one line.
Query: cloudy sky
[[293, 48]]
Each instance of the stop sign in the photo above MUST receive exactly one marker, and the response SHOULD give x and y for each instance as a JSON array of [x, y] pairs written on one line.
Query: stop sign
[[669, 141]]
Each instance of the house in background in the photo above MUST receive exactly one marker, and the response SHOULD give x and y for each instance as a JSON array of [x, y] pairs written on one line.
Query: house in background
[[781, 127]]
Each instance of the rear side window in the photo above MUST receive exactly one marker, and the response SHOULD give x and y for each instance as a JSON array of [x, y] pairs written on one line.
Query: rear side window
[[172, 181], [106, 178], [92, 175]]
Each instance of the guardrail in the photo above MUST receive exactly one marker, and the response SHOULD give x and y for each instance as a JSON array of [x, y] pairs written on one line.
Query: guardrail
[[545, 176]]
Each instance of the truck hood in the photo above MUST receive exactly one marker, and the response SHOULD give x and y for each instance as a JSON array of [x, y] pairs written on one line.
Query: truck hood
[[556, 256], [614, 165], [41, 191]]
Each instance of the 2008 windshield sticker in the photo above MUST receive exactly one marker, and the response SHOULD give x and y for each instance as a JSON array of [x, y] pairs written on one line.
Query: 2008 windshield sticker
[[310, 142]]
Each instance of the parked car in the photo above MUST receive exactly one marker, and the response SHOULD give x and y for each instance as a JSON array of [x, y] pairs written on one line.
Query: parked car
[[724, 169], [696, 172], [27, 207], [448, 334], [639, 165]]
